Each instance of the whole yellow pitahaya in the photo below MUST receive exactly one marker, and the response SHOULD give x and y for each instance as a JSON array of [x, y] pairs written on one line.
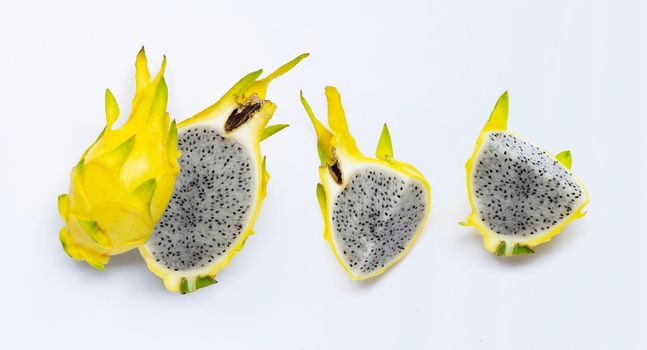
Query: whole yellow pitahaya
[[124, 180]]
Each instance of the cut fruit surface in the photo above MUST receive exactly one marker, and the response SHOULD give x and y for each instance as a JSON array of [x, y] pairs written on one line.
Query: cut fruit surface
[[220, 188], [215, 194], [374, 208], [520, 195]]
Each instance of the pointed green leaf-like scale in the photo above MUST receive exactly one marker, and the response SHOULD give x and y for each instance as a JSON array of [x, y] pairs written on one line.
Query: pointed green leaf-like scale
[[204, 281], [500, 249], [259, 87], [565, 158], [337, 119], [321, 196], [272, 129], [223, 178], [323, 206], [499, 118], [142, 76], [518, 249], [92, 230], [144, 192], [244, 84], [521, 250], [172, 143], [158, 107], [184, 285], [374, 209], [336, 114], [96, 265], [265, 177], [64, 205], [324, 136], [521, 196], [112, 109], [116, 158], [384, 148], [90, 227]]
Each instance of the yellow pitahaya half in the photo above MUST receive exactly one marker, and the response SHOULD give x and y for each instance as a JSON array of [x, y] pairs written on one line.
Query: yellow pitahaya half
[[374, 209], [220, 189], [520, 194], [121, 185]]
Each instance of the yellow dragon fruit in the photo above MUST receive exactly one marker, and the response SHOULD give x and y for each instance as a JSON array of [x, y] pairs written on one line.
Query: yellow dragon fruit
[[124, 180], [521, 195], [374, 209], [220, 188]]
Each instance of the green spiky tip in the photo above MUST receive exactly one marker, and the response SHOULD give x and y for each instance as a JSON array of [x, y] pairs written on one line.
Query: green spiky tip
[[91, 228], [97, 266], [384, 146], [142, 75], [117, 157], [204, 281], [112, 108], [324, 136], [63, 205], [517, 249], [265, 175], [521, 250], [321, 196], [244, 83], [287, 67], [499, 118], [500, 249], [565, 158], [336, 115], [160, 100], [145, 191], [184, 285], [272, 129]]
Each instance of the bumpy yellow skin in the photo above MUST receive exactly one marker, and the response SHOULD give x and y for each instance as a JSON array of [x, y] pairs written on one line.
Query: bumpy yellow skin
[[338, 145], [250, 134], [500, 244], [121, 185]]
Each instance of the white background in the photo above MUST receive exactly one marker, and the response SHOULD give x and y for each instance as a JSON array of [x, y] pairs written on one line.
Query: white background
[[576, 75]]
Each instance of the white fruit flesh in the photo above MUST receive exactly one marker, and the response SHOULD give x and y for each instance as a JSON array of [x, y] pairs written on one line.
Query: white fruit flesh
[[520, 191]]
